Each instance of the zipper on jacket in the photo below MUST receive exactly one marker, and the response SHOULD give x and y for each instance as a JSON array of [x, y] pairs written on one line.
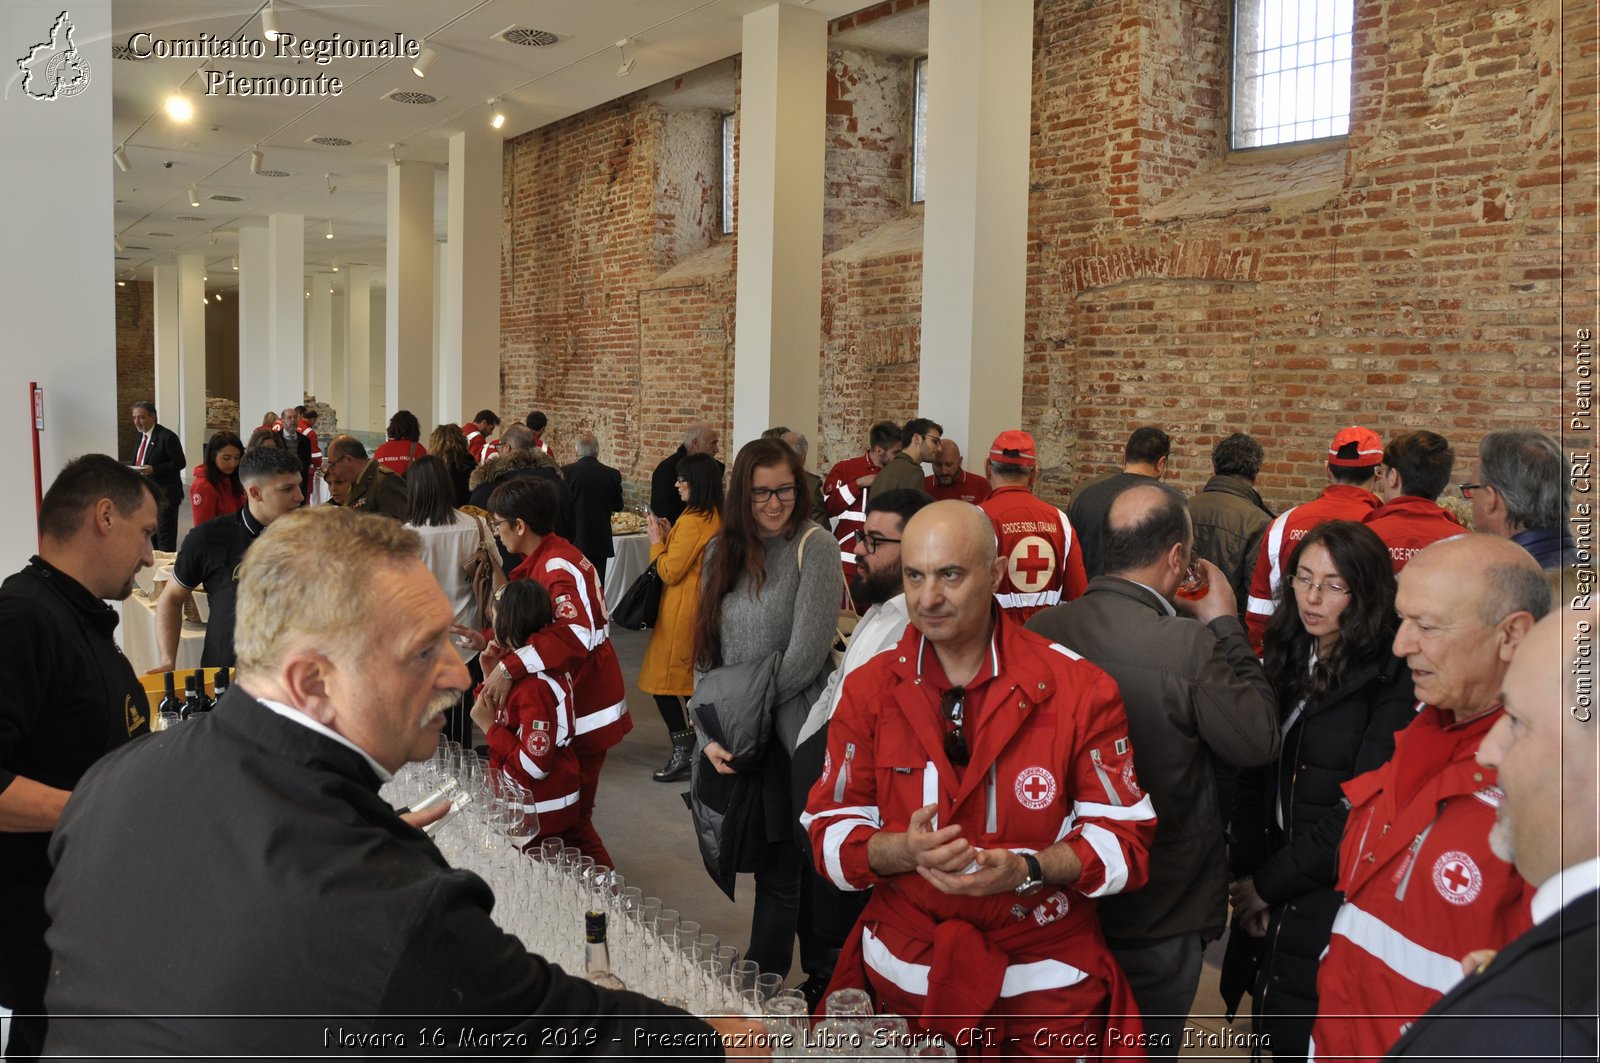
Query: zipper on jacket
[[844, 771], [1411, 860], [1105, 780], [991, 821]]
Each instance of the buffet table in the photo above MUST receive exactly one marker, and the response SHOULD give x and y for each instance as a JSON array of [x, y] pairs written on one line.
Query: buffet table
[[631, 556], [137, 631]]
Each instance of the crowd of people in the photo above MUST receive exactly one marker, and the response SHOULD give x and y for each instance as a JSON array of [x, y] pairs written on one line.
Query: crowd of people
[[1005, 765]]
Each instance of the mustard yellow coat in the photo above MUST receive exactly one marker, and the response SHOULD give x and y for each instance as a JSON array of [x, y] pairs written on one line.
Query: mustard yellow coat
[[668, 666]]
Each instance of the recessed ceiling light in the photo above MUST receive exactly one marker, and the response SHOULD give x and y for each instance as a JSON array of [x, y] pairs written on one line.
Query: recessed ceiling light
[[179, 108]]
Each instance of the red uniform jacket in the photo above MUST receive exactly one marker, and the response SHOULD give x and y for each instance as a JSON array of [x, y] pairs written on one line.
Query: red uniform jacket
[[209, 500], [847, 503], [1050, 761], [1044, 563], [397, 455], [531, 740], [970, 488], [476, 441], [1337, 502], [577, 643], [1422, 889], [1408, 523], [311, 437]]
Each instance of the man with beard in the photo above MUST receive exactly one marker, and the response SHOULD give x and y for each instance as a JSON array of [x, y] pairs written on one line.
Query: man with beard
[[70, 696], [875, 587], [950, 480]]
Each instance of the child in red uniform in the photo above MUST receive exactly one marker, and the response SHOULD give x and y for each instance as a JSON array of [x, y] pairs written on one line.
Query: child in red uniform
[[530, 738]]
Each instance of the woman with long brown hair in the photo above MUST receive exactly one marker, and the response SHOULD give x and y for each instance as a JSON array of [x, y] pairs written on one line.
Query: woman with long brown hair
[[772, 584], [449, 442]]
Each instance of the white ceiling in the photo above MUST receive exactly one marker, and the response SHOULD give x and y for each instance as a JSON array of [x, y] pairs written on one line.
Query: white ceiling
[[537, 85]]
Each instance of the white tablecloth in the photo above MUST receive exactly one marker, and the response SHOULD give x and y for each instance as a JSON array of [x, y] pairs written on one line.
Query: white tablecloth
[[632, 556], [137, 633]]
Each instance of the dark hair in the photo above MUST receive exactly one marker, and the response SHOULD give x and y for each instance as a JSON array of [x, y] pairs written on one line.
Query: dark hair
[[537, 420], [215, 476], [430, 496], [1424, 460], [918, 426], [347, 447], [259, 463], [1009, 469], [1146, 446], [300, 409], [146, 405], [1128, 547], [777, 431], [1236, 455], [308, 412], [487, 415], [1351, 474], [404, 425], [902, 502], [264, 437], [521, 607], [1366, 627], [1530, 474], [530, 499], [740, 551], [449, 442], [884, 434], [83, 482], [704, 476]]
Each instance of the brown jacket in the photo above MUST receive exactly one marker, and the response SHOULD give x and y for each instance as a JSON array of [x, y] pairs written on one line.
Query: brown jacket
[[1230, 521], [377, 490]]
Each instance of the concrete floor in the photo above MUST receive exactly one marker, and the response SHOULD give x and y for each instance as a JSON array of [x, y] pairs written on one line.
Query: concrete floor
[[647, 829]]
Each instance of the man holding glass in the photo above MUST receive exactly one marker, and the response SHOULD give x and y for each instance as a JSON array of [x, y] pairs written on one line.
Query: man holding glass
[[980, 779], [308, 914]]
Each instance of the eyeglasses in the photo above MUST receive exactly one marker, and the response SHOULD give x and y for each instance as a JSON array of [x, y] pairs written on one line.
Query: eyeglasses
[[1467, 489], [870, 543], [1329, 588], [762, 495], [500, 522], [952, 703]]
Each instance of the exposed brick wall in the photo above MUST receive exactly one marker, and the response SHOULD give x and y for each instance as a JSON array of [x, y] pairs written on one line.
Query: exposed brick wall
[[136, 355], [1410, 275]]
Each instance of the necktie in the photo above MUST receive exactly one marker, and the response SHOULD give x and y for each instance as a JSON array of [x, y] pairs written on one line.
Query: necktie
[[144, 444]]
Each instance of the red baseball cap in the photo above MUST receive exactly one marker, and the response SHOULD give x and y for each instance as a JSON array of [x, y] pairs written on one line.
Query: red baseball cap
[[1356, 447], [1013, 447]]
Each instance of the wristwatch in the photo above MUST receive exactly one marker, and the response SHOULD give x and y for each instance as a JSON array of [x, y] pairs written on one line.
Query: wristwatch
[[1035, 880]]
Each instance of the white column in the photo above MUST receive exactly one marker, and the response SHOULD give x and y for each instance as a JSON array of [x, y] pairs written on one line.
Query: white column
[[357, 409], [165, 290], [319, 337], [470, 338], [408, 361], [256, 396], [188, 418], [58, 301], [339, 389], [975, 225], [286, 332], [779, 303], [441, 372]]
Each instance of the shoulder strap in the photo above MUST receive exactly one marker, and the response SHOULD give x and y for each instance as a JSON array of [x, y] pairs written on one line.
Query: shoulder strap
[[800, 551]]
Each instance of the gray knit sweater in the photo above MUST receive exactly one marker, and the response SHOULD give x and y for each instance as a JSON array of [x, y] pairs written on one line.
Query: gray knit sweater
[[795, 613]]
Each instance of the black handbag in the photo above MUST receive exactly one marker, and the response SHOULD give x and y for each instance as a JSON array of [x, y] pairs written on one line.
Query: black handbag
[[640, 602]]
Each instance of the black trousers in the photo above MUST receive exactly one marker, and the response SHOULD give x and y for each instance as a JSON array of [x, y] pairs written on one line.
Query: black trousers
[[166, 536]]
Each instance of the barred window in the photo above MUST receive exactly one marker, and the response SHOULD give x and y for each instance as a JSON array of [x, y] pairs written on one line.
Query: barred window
[[919, 130], [727, 173], [1291, 70]]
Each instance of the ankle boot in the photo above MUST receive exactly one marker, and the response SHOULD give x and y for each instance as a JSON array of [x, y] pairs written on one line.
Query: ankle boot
[[682, 756]]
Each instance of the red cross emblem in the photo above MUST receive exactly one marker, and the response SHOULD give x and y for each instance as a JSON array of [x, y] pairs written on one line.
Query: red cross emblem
[[1051, 908], [1035, 788], [539, 743], [1031, 564], [1457, 878]]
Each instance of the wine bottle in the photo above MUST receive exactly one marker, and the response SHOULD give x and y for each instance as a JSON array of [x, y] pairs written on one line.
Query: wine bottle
[[191, 698], [219, 685], [200, 686], [169, 697], [597, 954]]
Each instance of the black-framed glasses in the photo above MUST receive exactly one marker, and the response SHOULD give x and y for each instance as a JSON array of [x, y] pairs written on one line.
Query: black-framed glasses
[[762, 495], [1467, 489], [952, 704], [870, 543]]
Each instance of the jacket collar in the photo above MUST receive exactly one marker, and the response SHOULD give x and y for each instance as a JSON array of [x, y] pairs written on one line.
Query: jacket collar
[[1232, 485], [510, 461], [1352, 493], [74, 594], [1127, 588], [1414, 505]]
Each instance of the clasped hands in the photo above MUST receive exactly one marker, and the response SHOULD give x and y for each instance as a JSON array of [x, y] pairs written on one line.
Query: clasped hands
[[943, 856]]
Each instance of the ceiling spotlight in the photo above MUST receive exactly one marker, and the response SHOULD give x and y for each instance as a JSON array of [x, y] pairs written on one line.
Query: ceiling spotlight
[[332, 188], [394, 155], [178, 107], [269, 22], [194, 196], [236, 263], [497, 117], [329, 233], [211, 237], [117, 242], [424, 61], [120, 157], [336, 265], [627, 61], [121, 283], [256, 159]]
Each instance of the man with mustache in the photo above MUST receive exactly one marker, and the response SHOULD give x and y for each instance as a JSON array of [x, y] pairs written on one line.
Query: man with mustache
[[242, 871]]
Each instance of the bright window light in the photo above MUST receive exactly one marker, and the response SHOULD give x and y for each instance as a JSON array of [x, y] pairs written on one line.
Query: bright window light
[[1291, 70]]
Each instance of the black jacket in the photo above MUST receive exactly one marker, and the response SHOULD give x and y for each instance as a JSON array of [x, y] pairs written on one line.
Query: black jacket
[[596, 494], [68, 697], [309, 897], [1347, 731], [166, 461], [1537, 999], [664, 500]]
